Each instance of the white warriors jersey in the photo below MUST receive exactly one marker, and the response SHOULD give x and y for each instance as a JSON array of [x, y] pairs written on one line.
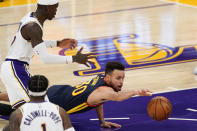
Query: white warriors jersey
[[21, 49], [42, 116]]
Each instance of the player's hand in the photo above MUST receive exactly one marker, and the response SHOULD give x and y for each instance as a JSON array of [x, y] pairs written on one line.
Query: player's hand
[[83, 58], [144, 92], [67, 43], [106, 124]]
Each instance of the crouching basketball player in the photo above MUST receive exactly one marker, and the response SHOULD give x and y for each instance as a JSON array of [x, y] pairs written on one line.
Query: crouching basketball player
[[39, 115]]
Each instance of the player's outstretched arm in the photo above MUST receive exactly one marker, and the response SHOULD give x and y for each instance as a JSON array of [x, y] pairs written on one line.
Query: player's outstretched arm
[[110, 94], [66, 120], [104, 123], [15, 120]]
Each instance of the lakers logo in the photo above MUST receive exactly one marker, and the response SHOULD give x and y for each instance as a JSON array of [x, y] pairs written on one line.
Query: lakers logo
[[134, 55]]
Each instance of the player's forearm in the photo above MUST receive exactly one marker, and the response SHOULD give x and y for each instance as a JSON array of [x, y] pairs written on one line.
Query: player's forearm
[[100, 113], [124, 95], [47, 58], [51, 43]]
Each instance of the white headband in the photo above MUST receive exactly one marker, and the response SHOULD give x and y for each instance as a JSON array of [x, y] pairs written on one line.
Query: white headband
[[37, 93], [47, 2]]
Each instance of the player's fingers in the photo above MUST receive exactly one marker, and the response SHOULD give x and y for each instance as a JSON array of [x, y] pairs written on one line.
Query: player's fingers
[[90, 57], [74, 43], [89, 54], [108, 126], [72, 47], [115, 125], [91, 62], [80, 50], [86, 65], [148, 94]]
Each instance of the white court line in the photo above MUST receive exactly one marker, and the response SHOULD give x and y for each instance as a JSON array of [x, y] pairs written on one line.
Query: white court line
[[173, 88], [176, 90], [190, 109], [123, 118], [182, 119], [170, 91]]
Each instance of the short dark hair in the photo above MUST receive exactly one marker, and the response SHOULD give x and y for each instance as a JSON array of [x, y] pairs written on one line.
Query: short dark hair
[[41, 6], [111, 66], [38, 83]]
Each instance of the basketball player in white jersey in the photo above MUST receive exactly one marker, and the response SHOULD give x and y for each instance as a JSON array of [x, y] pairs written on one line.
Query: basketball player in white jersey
[[27, 42], [39, 115]]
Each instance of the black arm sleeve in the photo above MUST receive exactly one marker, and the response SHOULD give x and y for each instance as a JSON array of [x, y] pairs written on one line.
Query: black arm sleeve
[[5, 109]]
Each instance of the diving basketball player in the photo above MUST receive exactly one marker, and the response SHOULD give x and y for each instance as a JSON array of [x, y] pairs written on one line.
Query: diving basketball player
[[94, 93]]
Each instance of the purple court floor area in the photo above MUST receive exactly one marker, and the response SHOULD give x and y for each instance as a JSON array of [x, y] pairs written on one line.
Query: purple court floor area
[[132, 114]]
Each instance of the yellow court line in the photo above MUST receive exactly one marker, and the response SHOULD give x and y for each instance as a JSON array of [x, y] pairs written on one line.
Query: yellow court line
[[8, 3], [187, 2]]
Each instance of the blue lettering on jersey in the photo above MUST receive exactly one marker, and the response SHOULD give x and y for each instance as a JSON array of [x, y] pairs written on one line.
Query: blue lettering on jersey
[[41, 113], [54, 117]]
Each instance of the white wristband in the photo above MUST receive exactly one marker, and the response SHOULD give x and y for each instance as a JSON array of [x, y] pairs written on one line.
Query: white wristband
[[50, 43], [70, 129], [47, 58]]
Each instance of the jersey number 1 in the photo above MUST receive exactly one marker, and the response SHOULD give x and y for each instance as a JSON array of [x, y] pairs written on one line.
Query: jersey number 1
[[43, 126]]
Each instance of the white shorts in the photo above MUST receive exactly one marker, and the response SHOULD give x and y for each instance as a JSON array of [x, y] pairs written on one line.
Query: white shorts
[[15, 76]]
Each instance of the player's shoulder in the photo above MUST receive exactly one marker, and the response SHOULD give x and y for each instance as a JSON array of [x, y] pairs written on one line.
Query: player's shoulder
[[32, 26], [104, 89]]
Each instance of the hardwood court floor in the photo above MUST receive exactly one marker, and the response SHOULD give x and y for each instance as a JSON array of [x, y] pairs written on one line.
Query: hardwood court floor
[[154, 21]]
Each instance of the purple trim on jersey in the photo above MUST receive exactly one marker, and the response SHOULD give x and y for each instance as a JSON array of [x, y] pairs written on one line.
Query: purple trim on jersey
[[21, 101], [20, 73], [37, 102], [7, 59]]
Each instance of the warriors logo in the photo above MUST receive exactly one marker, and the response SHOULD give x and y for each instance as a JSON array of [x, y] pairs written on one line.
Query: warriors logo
[[134, 55]]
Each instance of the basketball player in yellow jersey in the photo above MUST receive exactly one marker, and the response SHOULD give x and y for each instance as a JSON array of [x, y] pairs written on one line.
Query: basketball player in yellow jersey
[[27, 42], [38, 114]]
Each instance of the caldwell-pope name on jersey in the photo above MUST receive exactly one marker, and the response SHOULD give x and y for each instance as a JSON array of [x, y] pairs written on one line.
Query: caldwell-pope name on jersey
[[41, 113]]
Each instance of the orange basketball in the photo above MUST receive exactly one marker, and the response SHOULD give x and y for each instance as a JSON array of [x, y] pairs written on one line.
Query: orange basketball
[[159, 108]]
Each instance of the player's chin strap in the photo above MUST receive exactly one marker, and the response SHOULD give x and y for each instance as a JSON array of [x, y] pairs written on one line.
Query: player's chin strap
[[70, 129], [37, 93]]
